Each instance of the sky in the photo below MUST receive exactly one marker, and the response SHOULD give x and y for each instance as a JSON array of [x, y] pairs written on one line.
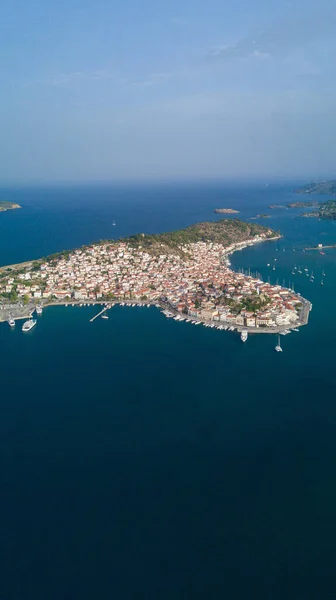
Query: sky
[[149, 90]]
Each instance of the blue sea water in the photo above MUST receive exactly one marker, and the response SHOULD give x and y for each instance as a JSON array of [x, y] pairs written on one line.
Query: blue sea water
[[143, 458]]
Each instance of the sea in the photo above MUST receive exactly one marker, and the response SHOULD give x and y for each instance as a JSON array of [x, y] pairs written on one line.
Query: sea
[[146, 459]]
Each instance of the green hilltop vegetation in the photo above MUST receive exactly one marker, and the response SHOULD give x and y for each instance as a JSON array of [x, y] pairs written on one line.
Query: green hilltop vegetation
[[318, 187], [224, 231], [327, 210]]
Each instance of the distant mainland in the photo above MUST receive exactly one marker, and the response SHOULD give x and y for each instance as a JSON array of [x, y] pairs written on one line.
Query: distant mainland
[[318, 187], [8, 206], [226, 211]]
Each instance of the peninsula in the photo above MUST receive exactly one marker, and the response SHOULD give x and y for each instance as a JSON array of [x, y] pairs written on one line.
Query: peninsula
[[185, 272], [226, 211], [318, 187], [8, 206]]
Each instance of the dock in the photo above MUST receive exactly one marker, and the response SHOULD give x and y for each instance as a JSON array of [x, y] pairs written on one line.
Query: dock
[[321, 247], [100, 313]]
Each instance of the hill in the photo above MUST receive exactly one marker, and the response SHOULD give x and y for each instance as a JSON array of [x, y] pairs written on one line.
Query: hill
[[224, 231], [318, 187]]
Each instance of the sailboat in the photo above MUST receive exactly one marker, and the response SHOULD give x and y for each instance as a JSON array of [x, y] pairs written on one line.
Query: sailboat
[[322, 282], [278, 346], [113, 223]]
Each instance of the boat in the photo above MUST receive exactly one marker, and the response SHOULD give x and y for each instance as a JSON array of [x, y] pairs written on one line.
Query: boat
[[323, 274], [113, 223], [295, 329], [278, 346], [322, 282], [28, 325], [268, 264], [11, 322], [104, 316], [244, 335], [39, 310]]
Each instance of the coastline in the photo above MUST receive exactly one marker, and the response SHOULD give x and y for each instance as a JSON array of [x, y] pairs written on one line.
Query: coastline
[[26, 312]]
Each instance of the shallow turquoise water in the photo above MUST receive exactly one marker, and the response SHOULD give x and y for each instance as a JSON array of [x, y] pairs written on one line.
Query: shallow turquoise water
[[145, 458]]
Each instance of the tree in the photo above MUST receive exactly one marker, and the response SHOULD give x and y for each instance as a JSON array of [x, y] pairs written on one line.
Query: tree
[[197, 303], [25, 299]]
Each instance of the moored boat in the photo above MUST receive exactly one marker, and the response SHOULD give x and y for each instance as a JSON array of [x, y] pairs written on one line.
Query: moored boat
[[28, 325]]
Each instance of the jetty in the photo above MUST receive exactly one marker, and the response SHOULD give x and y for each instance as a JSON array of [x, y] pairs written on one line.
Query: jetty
[[320, 247], [100, 313]]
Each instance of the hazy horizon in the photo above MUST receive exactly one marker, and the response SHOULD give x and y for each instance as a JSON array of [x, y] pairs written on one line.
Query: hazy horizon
[[167, 92]]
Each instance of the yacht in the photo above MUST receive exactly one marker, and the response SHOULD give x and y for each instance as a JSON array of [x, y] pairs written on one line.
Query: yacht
[[39, 310], [104, 317], [243, 335], [28, 325], [278, 346], [113, 223], [11, 322]]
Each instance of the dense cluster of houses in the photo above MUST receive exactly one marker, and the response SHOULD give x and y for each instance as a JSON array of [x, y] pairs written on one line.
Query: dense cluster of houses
[[197, 281]]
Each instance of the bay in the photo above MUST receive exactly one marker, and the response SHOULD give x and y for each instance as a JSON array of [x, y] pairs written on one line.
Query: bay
[[145, 458]]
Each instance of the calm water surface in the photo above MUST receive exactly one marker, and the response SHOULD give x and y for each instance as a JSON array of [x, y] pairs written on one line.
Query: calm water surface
[[143, 458]]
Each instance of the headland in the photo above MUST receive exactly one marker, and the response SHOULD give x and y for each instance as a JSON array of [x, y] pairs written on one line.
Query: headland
[[186, 273], [8, 206]]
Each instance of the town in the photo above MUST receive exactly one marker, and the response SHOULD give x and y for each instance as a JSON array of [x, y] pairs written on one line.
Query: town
[[196, 281]]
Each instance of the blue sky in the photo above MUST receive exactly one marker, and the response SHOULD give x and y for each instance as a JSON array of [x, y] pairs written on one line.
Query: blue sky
[[142, 89]]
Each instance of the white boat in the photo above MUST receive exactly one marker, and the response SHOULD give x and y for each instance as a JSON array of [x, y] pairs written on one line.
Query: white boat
[[28, 325], [104, 317], [244, 335], [295, 329], [11, 322], [39, 310], [278, 346]]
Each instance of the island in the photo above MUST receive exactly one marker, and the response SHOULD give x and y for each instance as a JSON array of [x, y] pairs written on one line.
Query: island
[[186, 273], [8, 206], [261, 216], [304, 204], [327, 210], [318, 187], [226, 211], [273, 206]]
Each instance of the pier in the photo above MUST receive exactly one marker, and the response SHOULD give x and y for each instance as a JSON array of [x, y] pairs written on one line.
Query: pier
[[100, 313], [321, 247]]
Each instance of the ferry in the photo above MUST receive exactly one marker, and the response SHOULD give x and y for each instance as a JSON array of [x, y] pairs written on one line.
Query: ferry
[[11, 322], [243, 335], [28, 325]]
